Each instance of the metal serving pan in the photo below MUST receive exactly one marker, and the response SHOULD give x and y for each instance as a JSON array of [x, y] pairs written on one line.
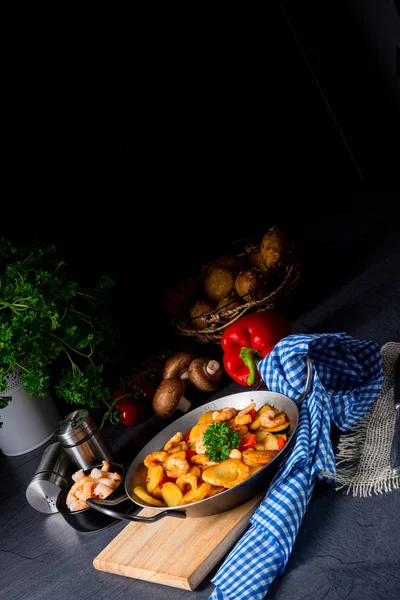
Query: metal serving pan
[[227, 499]]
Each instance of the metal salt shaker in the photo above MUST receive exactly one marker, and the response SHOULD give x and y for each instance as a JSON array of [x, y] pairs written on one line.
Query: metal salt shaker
[[82, 441], [52, 475]]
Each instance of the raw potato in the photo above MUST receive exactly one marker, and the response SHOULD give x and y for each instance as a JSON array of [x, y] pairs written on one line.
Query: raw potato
[[228, 303], [232, 261], [171, 493], [247, 282], [143, 495], [219, 282], [274, 248], [201, 307], [256, 261]]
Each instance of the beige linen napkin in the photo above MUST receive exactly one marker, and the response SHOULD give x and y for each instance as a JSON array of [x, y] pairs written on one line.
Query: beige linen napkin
[[363, 453]]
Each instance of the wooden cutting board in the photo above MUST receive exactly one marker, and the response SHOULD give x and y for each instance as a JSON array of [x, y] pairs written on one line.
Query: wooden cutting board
[[175, 552]]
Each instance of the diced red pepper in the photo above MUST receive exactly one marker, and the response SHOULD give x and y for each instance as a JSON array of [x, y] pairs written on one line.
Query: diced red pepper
[[189, 454], [248, 441], [281, 442], [165, 480], [253, 414]]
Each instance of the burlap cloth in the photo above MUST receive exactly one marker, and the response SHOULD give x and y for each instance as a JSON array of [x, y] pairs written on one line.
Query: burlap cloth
[[363, 452]]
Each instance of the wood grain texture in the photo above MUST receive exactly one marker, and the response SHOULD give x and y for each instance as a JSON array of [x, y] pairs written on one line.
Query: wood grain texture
[[174, 552]]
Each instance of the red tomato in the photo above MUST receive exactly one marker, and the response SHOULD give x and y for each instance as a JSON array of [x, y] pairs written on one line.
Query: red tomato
[[189, 454], [248, 441], [281, 443], [253, 414], [165, 479], [144, 387], [132, 413]]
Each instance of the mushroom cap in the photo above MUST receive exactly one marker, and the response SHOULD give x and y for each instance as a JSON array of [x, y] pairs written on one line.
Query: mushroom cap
[[167, 396], [176, 364], [203, 380]]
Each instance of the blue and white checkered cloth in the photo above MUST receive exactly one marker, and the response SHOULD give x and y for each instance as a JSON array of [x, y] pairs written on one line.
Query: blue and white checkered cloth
[[347, 381]]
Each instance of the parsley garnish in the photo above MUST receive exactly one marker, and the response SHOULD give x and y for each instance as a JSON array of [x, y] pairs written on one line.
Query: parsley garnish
[[219, 440]]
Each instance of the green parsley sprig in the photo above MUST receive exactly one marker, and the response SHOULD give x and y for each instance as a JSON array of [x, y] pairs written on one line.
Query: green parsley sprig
[[46, 320], [219, 440]]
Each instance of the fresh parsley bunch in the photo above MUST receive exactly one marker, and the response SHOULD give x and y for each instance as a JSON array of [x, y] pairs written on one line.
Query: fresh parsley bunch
[[47, 319], [219, 440]]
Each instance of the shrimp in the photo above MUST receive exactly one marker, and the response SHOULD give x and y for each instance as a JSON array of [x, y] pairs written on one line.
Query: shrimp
[[178, 437], [100, 474], [155, 458], [199, 459], [243, 417], [226, 414], [78, 475], [175, 467], [102, 491], [111, 483], [178, 448], [76, 504], [267, 422], [241, 429], [184, 480], [235, 453]]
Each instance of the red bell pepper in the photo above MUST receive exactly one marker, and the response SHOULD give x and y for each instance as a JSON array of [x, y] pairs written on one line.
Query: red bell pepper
[[248, 441], [248, 340]]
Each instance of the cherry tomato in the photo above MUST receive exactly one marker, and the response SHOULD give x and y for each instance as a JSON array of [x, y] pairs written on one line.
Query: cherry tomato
[[165, 479], [144, 387], [132, 412], [253, 414], [248, 441], [281, 443], [189, 454]]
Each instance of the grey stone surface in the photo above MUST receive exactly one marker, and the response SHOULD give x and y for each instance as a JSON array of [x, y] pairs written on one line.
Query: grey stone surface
[[347, 548]]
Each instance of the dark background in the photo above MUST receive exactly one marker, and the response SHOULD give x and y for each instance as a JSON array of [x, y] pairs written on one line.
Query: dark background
[[208, 129]]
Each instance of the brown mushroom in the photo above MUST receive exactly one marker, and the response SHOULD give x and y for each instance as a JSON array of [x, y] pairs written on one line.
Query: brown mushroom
[[169, 397], [206, 374], [177, 365]]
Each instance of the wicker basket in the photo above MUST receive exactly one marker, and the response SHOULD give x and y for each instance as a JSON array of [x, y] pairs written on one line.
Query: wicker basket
[[219, 320]]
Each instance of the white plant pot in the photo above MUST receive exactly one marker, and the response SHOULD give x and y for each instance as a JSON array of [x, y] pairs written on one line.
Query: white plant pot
[[28, 421]]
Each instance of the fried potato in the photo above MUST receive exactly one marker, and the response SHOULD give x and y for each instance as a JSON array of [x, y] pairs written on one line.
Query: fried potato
[[256, 424], [226, 474], [196, 495], [154, 476], [141, 493], [257, 457], [171, 493]]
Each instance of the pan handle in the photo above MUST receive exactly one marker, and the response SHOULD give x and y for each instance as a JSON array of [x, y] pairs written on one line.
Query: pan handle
[[102, 506], [307, 388], [309, 380]]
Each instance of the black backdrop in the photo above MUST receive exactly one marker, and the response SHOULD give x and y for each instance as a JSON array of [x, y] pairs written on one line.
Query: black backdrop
[[207, 137]]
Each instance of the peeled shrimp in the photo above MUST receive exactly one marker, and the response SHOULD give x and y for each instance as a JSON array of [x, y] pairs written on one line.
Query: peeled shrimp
[[155, 458], [178, 437], [184, 480], [226, 414], [269, 423], [78, 475], [102, 491], [243, 417], [235, 453], [175, 467]]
